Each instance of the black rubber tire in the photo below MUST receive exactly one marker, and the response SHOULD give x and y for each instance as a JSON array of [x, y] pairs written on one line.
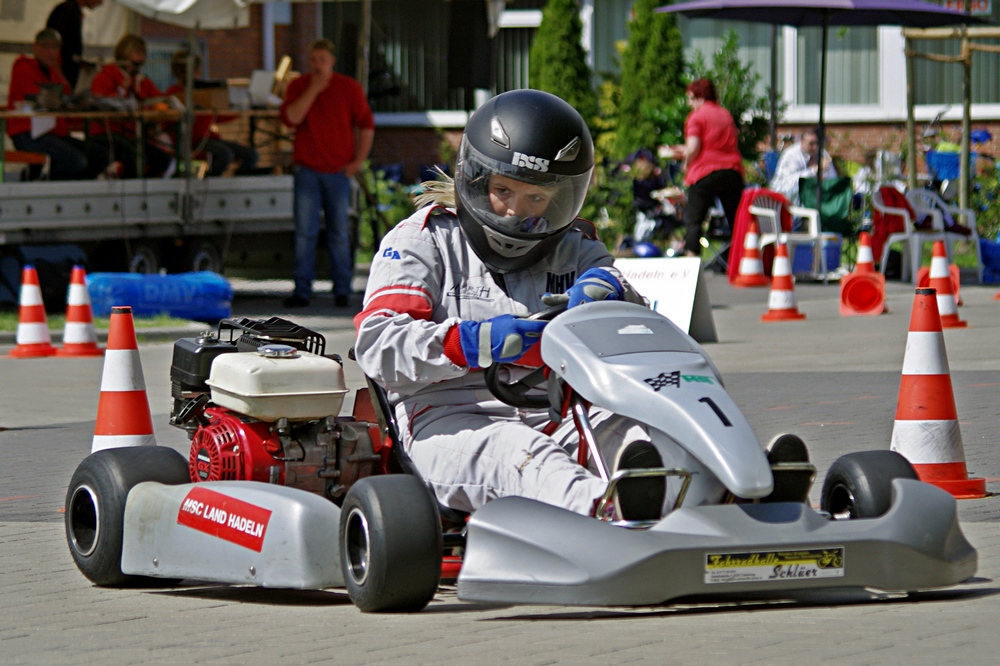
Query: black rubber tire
[[95, 508], [859, 485], [204, 255], [390, 544], [144, 259]]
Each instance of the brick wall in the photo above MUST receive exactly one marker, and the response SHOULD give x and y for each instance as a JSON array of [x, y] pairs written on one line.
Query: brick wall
[[412, 146], [231, 53], [851, 141]]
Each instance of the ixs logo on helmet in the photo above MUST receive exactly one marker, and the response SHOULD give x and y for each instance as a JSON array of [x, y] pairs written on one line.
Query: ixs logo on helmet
[[530, 161]]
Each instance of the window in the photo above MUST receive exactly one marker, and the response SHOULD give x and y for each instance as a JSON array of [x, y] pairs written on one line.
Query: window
[[851, 65]]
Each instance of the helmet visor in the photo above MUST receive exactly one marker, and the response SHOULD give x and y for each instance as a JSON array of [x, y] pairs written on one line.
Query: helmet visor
[[521, 200]]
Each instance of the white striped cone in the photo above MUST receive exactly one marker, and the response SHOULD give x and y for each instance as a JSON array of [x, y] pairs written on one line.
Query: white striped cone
[[940, 280], [33, 339], [751, 272], [865, 264], [79, 337], [123, 417], [926, 429], [782, 305]]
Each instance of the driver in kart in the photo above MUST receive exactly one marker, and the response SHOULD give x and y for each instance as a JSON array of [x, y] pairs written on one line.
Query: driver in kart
[[448, 294]]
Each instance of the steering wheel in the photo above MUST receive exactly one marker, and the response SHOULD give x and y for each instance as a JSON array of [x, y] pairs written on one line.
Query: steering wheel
[[515, 394]]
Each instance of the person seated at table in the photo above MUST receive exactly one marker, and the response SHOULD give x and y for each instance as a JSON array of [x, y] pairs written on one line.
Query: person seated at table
[[205, 138], [69, 158], [799, 161], [123, 80]]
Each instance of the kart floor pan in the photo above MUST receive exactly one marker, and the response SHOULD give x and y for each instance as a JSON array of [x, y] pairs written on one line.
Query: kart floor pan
[[522, 551]]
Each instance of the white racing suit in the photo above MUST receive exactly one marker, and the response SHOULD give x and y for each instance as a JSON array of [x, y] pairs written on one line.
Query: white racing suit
[[470, 447]]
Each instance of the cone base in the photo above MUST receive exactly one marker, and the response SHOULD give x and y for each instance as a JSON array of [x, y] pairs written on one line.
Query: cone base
[[32, 351], [751, 281], [782, 315], [848, 311], [953, 323], [971, 488], [862, 295], [83, 349], [952, 478]]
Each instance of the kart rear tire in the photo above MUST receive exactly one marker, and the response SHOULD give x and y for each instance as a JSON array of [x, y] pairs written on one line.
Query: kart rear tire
[[859, 485], [390, 544], [95, 508]]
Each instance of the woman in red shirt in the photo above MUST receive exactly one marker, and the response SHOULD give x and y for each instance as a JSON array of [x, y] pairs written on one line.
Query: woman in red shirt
[[712, 161], [124, 81]]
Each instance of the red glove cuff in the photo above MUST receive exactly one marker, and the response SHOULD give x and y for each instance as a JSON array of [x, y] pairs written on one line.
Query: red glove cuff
[[453, 347], [532, 358]]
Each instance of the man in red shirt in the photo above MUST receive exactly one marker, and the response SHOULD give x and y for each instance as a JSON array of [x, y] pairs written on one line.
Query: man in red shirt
[[334, 130], [68, 157], [124, 81]]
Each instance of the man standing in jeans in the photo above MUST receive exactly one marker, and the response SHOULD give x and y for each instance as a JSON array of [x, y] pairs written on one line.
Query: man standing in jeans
[[334, 129]]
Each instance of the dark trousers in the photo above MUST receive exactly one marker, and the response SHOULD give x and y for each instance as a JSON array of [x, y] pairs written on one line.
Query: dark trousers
[[727, 187], [118, 148], [69, 158], [225, 152]]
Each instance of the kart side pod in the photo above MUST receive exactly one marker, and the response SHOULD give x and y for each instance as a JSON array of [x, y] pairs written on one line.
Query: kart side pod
[[240, 532], [522, 551]]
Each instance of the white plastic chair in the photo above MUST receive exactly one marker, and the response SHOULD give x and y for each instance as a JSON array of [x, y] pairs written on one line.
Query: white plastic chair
[[767, 212], [912, 239], [926, 202]]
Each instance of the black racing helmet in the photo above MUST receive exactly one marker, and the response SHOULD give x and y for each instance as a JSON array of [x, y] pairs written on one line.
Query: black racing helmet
[[533, 137]]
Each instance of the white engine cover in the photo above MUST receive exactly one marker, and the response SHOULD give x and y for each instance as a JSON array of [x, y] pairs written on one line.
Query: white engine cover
[[299, 388]]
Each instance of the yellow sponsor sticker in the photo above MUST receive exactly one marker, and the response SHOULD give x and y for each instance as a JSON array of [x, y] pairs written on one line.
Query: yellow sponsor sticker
[[774, 565]]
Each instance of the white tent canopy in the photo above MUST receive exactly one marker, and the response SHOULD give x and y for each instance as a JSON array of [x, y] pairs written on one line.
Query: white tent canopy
[[203, 14]]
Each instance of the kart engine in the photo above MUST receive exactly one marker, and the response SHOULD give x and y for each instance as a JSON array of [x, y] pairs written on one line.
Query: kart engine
[[262, 405]]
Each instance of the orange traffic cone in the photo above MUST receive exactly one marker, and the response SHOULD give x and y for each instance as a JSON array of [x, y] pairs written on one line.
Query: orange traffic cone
[[123, 417], [33, 339], [79, 338], [940, 281], [865, 264], [863, 291], [751, 272], [926, 429], [924, 275], [781, 302]]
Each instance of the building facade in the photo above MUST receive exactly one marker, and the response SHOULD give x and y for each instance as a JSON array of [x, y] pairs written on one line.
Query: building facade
[[433, 62]]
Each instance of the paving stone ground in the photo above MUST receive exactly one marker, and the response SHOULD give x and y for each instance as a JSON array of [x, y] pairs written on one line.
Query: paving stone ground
[[831, 379]]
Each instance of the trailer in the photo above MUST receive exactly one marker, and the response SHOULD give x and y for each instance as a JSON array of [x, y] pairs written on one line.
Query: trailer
[[134, 224]]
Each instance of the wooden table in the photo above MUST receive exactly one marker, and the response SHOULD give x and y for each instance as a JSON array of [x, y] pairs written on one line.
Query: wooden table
[[264, 126]]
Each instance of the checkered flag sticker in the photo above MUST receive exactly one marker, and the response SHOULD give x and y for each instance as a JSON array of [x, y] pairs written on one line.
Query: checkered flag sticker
[[665, 379]]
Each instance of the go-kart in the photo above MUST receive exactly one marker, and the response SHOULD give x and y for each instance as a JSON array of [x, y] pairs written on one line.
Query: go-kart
[[278, 491]]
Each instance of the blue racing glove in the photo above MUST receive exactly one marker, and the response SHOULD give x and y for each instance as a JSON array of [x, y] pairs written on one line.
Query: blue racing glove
[[503, 339], [596, 284]]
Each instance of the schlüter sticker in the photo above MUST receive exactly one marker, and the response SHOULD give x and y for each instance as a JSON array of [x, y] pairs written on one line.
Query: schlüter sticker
[[224, 517], [774, 566]]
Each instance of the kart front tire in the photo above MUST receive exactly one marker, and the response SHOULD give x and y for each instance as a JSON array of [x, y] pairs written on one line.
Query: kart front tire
[[390, 544], [95, 508], [859, 485]]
